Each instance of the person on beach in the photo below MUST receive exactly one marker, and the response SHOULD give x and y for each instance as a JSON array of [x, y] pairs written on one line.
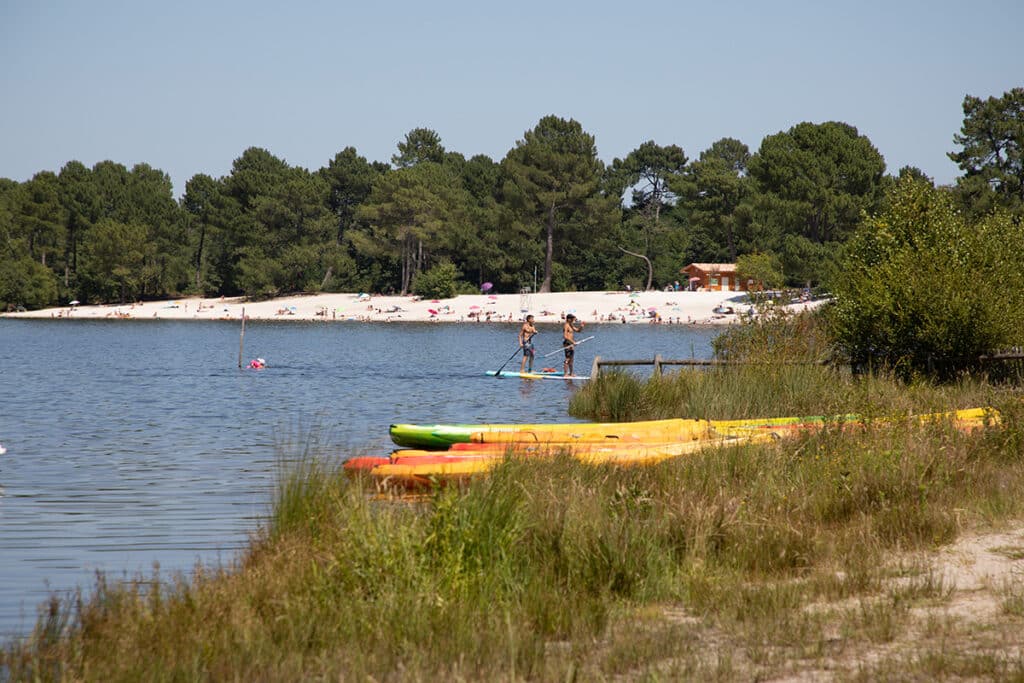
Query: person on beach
[[569, 331], [526, 334]]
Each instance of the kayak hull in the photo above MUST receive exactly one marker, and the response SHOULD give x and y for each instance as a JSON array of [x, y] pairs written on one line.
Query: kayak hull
[[441, 436]]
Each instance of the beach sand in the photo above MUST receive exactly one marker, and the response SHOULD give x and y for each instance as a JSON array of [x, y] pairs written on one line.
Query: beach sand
[[590, 307]]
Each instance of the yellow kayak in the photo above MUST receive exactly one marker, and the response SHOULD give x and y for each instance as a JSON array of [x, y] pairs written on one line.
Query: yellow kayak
[[443, 436]]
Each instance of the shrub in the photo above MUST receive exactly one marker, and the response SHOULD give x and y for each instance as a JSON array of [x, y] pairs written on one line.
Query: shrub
[[439, 282], [924, 292]]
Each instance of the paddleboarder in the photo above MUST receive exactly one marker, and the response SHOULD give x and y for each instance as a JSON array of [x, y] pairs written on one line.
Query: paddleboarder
[[569, 329], [526, 334]]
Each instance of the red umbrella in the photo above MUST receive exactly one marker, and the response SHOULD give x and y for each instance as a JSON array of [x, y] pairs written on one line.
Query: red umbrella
[[493, 296], [474, 308], [431, 311]]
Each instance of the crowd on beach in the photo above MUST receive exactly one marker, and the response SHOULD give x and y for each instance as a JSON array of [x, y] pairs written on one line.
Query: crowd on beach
[[654, 307]]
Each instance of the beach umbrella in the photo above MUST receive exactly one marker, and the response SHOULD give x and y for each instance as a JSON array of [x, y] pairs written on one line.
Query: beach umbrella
[[474, 308], [493, 296], [487, 286], [74, 303], [435, 301], [292, 308], [431, 311], [652, 309]]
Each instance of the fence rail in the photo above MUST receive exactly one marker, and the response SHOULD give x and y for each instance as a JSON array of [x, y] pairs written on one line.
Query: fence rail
[[658, 362]]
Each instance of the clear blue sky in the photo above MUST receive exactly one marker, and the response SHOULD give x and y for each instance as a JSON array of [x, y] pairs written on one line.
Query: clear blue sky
[[188, 86]]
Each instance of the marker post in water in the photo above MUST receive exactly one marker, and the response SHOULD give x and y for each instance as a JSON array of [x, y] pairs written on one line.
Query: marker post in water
[[241, 340]]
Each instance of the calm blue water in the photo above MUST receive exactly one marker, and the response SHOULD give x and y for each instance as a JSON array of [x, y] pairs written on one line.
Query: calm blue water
[[139, 443]]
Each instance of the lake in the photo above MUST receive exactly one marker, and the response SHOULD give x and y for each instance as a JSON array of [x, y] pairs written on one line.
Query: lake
[[132, 444]]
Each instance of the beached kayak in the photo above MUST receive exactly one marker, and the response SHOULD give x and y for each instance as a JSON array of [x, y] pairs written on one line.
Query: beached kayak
[[426, 468], [482, 447], [441, 436]]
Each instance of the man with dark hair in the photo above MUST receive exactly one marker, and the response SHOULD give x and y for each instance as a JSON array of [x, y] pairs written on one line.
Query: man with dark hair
[[569, 329]]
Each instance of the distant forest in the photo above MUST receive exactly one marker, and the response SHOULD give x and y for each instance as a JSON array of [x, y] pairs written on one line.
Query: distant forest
[[550, 215]]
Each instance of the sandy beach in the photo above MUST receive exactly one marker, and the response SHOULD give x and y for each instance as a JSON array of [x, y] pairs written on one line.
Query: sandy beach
[[697, 308]]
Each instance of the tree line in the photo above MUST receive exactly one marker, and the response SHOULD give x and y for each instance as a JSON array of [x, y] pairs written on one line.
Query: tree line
[[549, 214]]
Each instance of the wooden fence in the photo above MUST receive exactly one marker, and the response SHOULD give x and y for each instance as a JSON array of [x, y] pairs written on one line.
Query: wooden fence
[[658, 362]]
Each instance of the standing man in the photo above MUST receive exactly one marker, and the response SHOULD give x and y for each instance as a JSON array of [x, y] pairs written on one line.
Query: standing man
[[526, 333], [569, 329]]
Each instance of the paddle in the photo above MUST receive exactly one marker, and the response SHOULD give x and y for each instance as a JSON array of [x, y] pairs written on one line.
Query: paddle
[[563, 348], [497, 373]]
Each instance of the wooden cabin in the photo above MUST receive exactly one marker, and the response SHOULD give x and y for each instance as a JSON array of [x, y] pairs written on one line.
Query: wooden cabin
[[716, 277]]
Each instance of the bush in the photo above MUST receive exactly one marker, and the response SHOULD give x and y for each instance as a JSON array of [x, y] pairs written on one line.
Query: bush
[[924, 292], [23, 282], [439, 282]]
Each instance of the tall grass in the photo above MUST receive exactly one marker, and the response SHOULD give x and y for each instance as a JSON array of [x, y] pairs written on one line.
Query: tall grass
[[544, 570], [770, 391], [782, 375]]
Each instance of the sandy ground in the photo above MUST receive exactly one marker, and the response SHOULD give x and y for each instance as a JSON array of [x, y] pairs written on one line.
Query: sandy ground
[[589, 307]]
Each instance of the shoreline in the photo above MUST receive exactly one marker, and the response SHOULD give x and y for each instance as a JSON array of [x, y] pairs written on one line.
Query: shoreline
[[653, 307]]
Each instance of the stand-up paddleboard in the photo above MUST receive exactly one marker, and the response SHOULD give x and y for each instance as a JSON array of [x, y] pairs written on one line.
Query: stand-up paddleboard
[[536, 375]]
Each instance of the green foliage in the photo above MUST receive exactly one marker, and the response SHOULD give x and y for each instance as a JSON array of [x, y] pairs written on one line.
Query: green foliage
[[924, 290], [420, 145], [815, 181], [26, 283], [349, 179], [711, 193], [438, 282], [414, 214], [992, 154], [553, 179], [647, 172], [269, 228], [113, 262], [764, 269]]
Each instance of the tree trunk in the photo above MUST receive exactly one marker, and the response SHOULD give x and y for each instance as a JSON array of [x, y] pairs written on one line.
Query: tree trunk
[[545, 286], [406, 264], [650, 267], [199, 257]]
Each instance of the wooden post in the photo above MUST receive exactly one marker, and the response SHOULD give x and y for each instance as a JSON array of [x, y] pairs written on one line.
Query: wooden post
[[594, 367], [241, 340], [657, 364]]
